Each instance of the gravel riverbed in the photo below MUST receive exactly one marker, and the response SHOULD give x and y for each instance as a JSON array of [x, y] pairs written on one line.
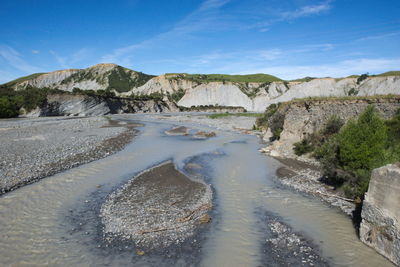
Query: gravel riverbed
[[32, 149], [158, 208]]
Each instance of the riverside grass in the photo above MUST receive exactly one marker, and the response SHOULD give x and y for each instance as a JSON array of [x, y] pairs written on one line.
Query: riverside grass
[[242, 114]]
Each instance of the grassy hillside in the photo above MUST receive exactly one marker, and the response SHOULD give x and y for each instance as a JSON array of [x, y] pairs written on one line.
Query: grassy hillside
[[201, 78], [305, 79], [389, 73], [22, 79], [119, 78]]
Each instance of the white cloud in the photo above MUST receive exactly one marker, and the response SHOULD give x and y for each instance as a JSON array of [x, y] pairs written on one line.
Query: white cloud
[[14, 59], [35, 51]]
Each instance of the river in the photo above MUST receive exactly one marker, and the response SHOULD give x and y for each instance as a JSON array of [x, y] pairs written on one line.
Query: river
[[55, 221]]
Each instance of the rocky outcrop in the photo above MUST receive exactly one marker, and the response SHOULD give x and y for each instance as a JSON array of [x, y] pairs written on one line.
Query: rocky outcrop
[[301, 118], [80, 105], [380, 226]]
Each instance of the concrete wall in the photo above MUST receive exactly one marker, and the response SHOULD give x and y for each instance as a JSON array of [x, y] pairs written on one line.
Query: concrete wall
[[380, 226]]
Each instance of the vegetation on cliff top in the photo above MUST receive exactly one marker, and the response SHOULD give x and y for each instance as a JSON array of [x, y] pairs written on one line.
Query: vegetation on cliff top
[[22, 79], [203, 78]]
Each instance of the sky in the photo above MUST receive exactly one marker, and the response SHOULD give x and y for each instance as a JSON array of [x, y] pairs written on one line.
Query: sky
[[286, 38]]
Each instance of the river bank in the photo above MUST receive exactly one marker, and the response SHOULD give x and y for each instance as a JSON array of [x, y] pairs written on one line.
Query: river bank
[[36, 148]]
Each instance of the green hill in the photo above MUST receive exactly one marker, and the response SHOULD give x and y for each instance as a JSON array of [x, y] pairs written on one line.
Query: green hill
[[200, 78], [389, 73], [23, 79]]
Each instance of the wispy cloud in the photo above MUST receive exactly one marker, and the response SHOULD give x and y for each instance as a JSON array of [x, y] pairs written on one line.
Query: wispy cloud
[[35, 52], [204, 17], [336, 69], [379, 36], [69, 61], [265, 21], [237, 61], [306, 11], [14, 59]]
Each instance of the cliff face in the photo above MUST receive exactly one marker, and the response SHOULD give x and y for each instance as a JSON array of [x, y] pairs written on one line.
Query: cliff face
[[80, 105], [380, 226], [163, 83], [253, 96], [305, 117]]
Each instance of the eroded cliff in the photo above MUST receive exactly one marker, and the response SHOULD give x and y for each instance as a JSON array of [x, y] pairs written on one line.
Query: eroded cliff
[[297, 119], [254, 94]]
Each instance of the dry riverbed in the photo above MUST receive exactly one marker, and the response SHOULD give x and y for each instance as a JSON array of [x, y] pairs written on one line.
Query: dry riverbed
[[32, 149]]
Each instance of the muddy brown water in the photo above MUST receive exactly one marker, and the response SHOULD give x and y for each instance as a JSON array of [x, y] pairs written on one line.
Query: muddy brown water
[[35, 227]]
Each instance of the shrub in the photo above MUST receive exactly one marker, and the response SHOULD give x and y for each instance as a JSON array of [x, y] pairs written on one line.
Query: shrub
[[303, 147], [276, 125], [352, 92], [269, 112], [362, 77], [333, 125], [8, 108], [176, 95], [362, 142]]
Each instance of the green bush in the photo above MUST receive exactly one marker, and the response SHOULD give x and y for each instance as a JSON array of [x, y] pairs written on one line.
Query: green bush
[[176, 95], [362, 142], [303, 147], [362, 78], [269, 112], [352, 92], [272, 119], [8, 108], [333, 125], [349, 153]]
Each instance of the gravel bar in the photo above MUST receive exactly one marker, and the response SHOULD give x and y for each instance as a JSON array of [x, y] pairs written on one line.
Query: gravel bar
[[158, 208], [31, 149]]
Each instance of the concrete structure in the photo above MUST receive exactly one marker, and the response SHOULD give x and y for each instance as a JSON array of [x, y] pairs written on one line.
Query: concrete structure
[[380, 226]]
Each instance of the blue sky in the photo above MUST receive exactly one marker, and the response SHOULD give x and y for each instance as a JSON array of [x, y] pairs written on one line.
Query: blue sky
[[289, 39]]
